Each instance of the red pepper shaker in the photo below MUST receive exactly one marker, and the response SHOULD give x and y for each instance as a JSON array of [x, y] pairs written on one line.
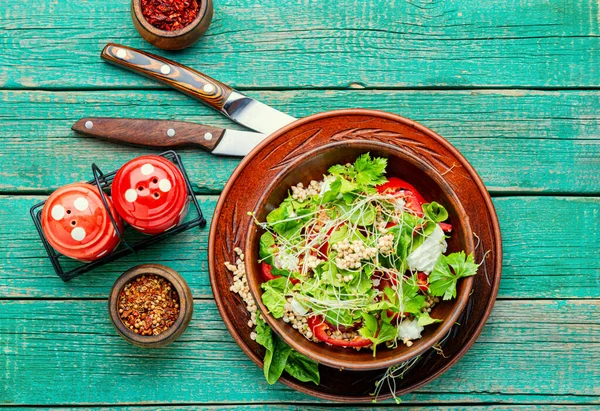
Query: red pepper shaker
[[150, 193], [76, 223]]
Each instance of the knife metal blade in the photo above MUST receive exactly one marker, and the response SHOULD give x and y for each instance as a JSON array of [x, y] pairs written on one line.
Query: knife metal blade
[[169, 134], [233, 104]]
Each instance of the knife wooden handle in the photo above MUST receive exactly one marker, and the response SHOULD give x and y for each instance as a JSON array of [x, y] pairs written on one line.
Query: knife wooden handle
[[151, 133], [182, 78]]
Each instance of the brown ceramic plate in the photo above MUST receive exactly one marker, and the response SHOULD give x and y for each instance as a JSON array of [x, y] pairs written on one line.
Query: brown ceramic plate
[[248, 183]]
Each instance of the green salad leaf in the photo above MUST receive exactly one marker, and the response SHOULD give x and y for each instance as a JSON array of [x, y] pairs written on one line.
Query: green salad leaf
[[267, 247], [377, 333], [364, 174], [448, 270], [369, 172], [303, 368], [276, 354], [273, 297], [279, 356], [425, 319], [435, 212]]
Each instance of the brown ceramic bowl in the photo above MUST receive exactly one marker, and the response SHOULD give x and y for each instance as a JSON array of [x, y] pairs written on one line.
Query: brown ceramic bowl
[[186, 306], [177, 39], [249, 182], [312, 165]]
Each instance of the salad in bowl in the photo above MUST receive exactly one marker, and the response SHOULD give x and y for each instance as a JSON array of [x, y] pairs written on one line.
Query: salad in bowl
[[358, 260]]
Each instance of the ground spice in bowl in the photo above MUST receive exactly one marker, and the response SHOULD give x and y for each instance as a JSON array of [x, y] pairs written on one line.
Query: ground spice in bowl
[[170, 15], [148, 305]]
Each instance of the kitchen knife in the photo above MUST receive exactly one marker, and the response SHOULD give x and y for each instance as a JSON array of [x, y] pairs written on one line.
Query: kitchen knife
[[169, 134], [233, 104]]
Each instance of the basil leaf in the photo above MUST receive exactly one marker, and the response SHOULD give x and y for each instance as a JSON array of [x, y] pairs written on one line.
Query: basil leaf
[[302, 368]]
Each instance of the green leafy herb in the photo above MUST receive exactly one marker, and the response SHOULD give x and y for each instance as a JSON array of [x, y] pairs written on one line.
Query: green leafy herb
[[276, 354], [267, 247], [334, 190], [377, 333], [435, 212], [364, 174], [302, 368], [370, 172], [425, 319], [273, 297], [448, 270], [280, 356]]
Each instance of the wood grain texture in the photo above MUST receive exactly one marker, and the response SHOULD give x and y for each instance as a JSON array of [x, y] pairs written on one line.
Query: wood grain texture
[[376, 406], [543, 257], [150, 133], [171, 73], [329, 43], [74, 340], [518, 141]]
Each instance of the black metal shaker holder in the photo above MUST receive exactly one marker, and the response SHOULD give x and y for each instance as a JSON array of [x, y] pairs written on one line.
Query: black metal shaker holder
[[103, 182]]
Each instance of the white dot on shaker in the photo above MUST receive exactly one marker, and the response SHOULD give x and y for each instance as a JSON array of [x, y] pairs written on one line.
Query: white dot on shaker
[[58, 212], [164, 185], [131, 195], [78, 234]]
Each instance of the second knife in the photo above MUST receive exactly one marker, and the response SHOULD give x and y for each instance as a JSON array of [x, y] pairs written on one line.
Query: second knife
[[169, 134]]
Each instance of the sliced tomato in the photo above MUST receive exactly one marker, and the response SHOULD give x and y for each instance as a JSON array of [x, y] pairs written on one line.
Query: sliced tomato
[[267, 274], [423, 281], [395, 184], [446, 227], [412, 198], [319, 329]]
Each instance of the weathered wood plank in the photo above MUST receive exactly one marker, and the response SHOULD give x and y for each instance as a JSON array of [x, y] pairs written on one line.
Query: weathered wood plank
[[71, 347], [355, 407], [519, 141], [550, 251], [329, 43]]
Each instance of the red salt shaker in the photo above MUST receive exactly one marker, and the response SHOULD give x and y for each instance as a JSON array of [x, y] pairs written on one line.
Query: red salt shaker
[[77, 224], [150, 194]]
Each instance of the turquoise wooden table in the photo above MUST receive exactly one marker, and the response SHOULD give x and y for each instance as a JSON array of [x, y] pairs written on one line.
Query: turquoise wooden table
[[514, 85]]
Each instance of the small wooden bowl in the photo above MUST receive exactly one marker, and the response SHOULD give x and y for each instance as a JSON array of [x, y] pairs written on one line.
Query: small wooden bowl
[[177, 39], [186, 306]]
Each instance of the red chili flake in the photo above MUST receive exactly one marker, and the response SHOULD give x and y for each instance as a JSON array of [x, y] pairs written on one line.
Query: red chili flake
[[170, 15], [149, 305]]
